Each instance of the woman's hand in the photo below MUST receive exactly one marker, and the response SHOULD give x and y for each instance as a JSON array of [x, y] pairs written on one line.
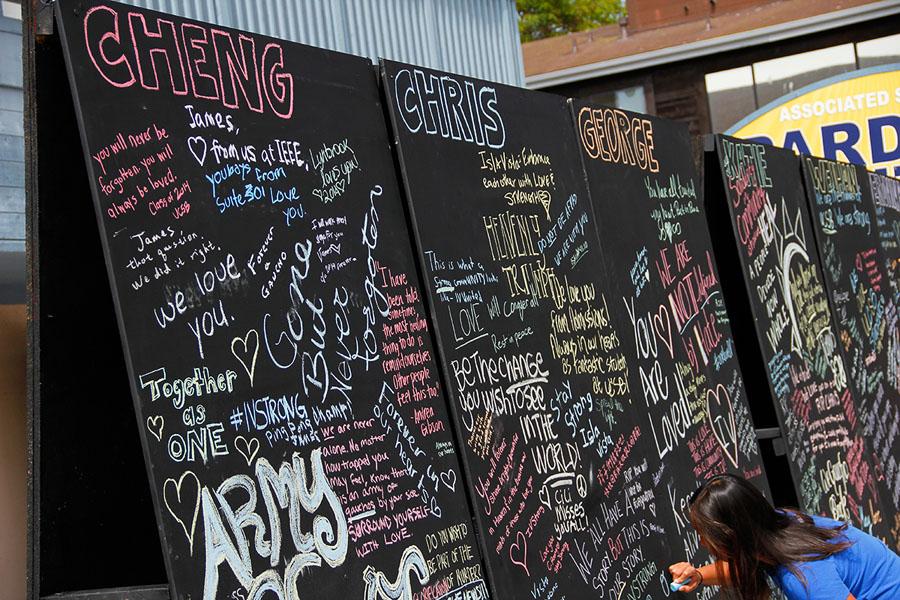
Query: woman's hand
[[682, 571]]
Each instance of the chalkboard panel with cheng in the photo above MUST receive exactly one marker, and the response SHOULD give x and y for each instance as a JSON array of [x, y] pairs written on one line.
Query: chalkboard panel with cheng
[[685, 377], [799, 344], [862, 302], [566, 499], [293, 424]]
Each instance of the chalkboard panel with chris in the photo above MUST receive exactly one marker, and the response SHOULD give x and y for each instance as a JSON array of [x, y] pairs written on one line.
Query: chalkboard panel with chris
[[293, 424], [685, 376], [863, 304], [762, 192], [565, 493]]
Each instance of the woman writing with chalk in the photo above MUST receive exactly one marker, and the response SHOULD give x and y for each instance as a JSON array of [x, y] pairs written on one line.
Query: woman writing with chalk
[[809, 558]]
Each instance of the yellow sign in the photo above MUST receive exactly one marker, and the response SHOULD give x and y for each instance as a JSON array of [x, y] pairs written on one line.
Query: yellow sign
[[853, 117]]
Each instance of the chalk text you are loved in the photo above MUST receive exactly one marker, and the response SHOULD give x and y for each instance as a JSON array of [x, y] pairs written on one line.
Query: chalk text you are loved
[[653, 338], [212, 316]]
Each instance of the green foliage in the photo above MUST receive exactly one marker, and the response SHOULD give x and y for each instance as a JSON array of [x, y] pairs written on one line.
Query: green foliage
[[544, 18]]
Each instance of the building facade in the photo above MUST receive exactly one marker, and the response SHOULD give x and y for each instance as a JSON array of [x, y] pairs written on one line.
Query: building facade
[[709, 63]]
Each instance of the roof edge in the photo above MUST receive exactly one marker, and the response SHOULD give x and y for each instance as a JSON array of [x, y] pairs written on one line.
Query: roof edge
[[724, 43]]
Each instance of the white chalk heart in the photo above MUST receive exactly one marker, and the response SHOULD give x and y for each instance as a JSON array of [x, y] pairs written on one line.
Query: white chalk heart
[[249, 449], [197, 146], [435, 509], [449, 479], [247, 357], [664, 328], [182, 499], [155, 426]]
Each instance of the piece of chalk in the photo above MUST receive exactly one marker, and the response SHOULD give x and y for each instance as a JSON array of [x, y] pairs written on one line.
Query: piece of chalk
[[675, 586]]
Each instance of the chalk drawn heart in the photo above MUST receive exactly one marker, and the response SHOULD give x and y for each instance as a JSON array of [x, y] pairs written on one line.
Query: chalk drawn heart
[[197, 146], [720, 415], [182, 499], [663, 330], [246, 353], [520, 543], [155, 426], [449, 479], [249, 449]]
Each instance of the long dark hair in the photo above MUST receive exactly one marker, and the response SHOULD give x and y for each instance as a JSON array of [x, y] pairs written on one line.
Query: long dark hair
[[742, 529]]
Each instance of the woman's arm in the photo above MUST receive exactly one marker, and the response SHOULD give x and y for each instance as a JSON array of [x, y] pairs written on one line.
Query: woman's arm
[[707, 574], [716, 573]]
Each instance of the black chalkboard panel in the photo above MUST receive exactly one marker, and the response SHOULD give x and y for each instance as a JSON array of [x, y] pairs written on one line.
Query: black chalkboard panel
[[762, 191], [863, 305], [283, 377], [885, 194], [685, 377], [87, 485], [570, 497]]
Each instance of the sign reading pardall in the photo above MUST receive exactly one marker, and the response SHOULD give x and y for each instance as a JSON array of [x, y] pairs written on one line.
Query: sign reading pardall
[[853, 117]]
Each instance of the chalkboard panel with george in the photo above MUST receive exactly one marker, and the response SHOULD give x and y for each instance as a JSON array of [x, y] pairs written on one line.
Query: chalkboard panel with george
[[864, 309], [761, 189], [685, 377], [566, 500], [280, 359]]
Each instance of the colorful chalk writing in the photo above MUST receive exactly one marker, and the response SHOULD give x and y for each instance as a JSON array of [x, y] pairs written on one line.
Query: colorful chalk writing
[[294, 425], [659, 263], [572, 444], [885, 194], [849, 230], [782, 284]]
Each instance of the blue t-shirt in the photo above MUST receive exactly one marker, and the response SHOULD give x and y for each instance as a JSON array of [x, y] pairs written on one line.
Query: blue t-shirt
[[868, 569]]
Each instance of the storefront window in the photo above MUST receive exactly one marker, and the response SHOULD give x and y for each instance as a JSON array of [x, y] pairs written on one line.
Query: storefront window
[[730, 95], [735, 93], [881, 51], [780, 76], [630, 98]]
